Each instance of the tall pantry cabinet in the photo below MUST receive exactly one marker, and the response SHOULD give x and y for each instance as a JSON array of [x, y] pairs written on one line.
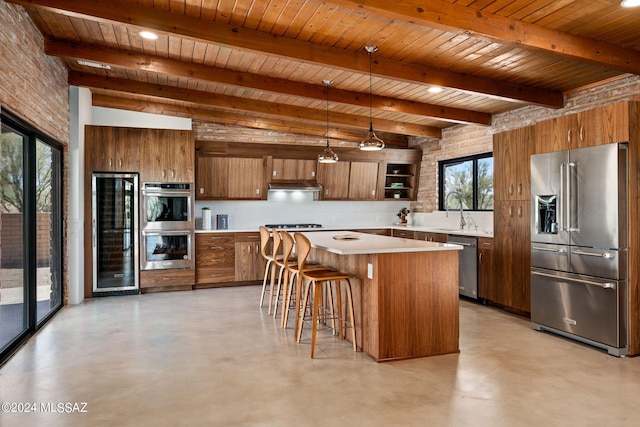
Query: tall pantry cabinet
[[512, 194]]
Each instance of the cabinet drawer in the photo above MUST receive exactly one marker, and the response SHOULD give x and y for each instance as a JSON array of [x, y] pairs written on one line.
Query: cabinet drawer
[[248, 237], [215, 243], [161, 278], [407, 234], [215, 274]]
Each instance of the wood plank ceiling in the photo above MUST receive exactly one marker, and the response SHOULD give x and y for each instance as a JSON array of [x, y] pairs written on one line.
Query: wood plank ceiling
[[261, 63]]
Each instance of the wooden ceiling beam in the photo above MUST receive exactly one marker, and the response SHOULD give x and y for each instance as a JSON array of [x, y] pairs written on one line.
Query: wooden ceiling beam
[[241, 104], [172, 67], [465, 20], [127, 13], [339, 137]]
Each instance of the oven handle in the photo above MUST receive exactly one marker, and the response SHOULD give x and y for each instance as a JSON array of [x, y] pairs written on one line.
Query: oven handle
[[554, 250], [165, 192], [167, 233], [605, 285]]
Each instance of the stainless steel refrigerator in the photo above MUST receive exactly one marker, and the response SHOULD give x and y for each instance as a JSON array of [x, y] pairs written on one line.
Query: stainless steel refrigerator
[[115, 233], [579, 245]]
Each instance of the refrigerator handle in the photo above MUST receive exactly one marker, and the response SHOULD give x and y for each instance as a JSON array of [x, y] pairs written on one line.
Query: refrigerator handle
[[605, 285], [572, 203], [563, 202]]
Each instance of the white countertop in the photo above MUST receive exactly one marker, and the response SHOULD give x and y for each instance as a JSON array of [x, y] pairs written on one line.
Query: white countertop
[[429, 229], [364, 243]]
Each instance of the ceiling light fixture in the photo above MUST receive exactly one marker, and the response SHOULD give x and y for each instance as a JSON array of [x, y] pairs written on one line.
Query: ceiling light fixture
[[93, 64], [327, 155], [148, 35], [371, 142], [435, 89], [630, 3]]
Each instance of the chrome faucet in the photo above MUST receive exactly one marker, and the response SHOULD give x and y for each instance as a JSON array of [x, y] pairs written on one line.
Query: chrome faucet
[[446, 204]]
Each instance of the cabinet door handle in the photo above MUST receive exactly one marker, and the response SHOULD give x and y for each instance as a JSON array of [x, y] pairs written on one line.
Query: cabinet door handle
[[581, 133], [510, 188], [249, 250], [110, 163], [520, 211], [510, 211], [569, 136], [120, 162], [480, 258], [520, 188]]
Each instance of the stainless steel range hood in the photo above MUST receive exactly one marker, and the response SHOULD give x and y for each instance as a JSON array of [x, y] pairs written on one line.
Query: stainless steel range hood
[[295, 186]]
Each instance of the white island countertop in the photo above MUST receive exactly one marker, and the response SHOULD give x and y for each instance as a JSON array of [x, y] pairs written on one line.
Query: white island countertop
[[350, 243]]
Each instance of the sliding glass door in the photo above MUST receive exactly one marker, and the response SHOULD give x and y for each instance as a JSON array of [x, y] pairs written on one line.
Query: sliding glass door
[[30, 231], [13, 307]]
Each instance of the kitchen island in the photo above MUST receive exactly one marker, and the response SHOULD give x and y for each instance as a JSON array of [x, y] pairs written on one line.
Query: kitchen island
[[405, 295]]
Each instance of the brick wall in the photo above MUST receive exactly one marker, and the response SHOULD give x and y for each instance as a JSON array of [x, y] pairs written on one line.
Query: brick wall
[[34, 86], [465, 140]]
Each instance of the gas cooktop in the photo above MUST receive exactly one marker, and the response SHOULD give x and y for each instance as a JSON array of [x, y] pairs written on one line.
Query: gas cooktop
[[293, 225]]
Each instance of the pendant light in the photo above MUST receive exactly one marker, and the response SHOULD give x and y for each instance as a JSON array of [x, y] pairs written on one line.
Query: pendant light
[[371, 142], [630, 3], [327, 155]]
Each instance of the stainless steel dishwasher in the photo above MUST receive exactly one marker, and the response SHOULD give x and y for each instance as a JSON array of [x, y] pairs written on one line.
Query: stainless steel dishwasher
[[467, 265]]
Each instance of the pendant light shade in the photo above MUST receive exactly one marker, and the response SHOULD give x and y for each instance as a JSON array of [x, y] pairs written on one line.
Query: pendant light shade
[[630, 3], [327, 155], [371, 142]]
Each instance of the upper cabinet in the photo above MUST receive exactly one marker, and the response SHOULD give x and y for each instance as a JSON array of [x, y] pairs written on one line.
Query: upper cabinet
[[158, 155], [168, 156], [334, 179], [237, 171], [111, 149], [223, 178], [511, 153], [363, 181], [584, 129], [293, 170], [348, 180]]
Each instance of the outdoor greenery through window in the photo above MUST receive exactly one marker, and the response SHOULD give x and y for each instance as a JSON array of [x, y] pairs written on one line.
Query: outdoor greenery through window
[[467, 179]]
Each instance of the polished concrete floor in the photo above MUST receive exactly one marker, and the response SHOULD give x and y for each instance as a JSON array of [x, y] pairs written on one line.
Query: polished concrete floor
[[213, 358]]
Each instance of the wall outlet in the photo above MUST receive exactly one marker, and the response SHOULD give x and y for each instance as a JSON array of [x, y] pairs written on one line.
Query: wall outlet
[[369, 271]]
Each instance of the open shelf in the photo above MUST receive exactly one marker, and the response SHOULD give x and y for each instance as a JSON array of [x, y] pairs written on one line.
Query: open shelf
[[399, 181]]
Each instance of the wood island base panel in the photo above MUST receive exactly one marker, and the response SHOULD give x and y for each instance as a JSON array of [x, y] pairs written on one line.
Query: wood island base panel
[[406, 303]]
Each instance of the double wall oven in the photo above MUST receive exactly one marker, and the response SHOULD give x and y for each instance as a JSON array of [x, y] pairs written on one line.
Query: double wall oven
[[166, 226]]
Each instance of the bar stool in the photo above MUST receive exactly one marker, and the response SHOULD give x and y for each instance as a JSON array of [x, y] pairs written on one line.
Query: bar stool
[[291, 274], [317, 278], [265, 238], [280, 265]]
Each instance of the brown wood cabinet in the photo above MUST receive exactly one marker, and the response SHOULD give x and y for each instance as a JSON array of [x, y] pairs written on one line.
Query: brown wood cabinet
[[215, 258], [512, 255], [486, 283], [293, 170], [512, 193], [164, 280], [511, 158], [223, 178], [363, 181], [431, 237], [378, 231], [167, 156], [334, 178], [406, 234], [112, 149], [249, 263]]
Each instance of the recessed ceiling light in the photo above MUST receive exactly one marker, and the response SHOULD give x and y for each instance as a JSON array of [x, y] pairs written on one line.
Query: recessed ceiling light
[[148, 35], [435, 89], [630, 3], [94, 64]]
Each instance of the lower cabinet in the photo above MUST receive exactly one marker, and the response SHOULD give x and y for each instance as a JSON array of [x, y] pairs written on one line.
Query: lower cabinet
[[228, 257], [162, 280], [431, 237], [378, 231], [485, 268], [512, 256], [407, 234], [250, 264], [215, 258]]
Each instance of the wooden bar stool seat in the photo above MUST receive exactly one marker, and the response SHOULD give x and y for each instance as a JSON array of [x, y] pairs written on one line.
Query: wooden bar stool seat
[[313, 281], [265, 239]]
